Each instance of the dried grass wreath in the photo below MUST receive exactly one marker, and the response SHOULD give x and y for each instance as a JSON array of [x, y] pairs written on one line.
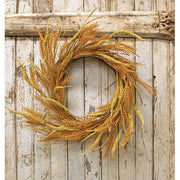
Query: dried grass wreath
[[50, 80]]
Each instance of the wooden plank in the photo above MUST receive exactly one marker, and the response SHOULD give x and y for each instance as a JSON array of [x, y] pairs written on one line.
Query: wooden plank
[[59, 150], [24, 50], [143, 5], [127, 155], [75, 101], [113, 161], [59, 154], [126, 5], [24, 136], [144, 137], [24, 6], [42, 151], [91, 5], [92, 101], [144, 141], [10, 124], [59, 7], [171, 85], [141, 22], [93, 161], [10, 6], [74, 6], [104, 99], [76, 106], [104, 5], [109, 164], [161, 110], [43, 6]]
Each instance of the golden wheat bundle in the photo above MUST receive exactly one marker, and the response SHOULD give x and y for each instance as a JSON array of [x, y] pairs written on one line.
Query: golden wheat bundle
[[115, 119]]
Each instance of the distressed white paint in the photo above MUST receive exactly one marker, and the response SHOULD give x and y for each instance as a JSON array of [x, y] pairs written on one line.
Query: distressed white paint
[[10, 124], [58, 161], [144, 141], [42, 151], [24, 97]]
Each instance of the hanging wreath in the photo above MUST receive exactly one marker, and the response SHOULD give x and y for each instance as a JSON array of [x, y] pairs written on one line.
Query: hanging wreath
[[115, 119]]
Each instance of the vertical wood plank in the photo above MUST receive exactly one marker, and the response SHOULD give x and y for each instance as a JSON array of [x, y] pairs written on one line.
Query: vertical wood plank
[[161, 110], [92, 101], [93, 91], [127, 155], [143, 5], [171, 85], [144, 137], [59, 156], [144, 141], [163, 166], [109, 164], [43, 6], [10, 101], [104, 100], [24, 6], [59, 150], [104, 5], [10, 6], [113, 5], [24, 97], [126, 5], [76, 106], [41, 149], [10, 144], [162, 5], [76, 5], [24, 136], [59, 6], [91, 5]]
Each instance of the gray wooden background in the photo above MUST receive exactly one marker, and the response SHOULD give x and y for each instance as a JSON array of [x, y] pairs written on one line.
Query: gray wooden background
[[150, 156]]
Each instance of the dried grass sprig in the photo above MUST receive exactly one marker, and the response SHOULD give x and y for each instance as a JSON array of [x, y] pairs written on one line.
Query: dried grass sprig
[[50, 80]]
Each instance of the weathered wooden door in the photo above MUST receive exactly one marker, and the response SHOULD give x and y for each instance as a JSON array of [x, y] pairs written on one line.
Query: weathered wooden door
[[150, 156]]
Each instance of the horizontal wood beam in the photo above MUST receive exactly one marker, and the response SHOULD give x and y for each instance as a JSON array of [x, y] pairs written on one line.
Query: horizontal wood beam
[[148, 24]]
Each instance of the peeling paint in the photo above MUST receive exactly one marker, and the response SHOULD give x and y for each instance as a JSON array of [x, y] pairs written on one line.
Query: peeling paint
[[88, 166], [92, 109]]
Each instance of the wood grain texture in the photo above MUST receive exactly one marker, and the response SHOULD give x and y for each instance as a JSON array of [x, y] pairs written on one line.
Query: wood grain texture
[[76, 106], [43, 6], [92, 101], [24, 97], [10, 6], [161, 110], [139, 22], [42, 150], [110, 164], [24, 6], [126, 5], [171, 85], [144, 137], [10, 124], [59, 153], [151, 155], [127, 155]]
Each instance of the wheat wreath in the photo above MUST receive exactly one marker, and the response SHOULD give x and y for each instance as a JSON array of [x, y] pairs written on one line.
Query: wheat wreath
[[115, 119]]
